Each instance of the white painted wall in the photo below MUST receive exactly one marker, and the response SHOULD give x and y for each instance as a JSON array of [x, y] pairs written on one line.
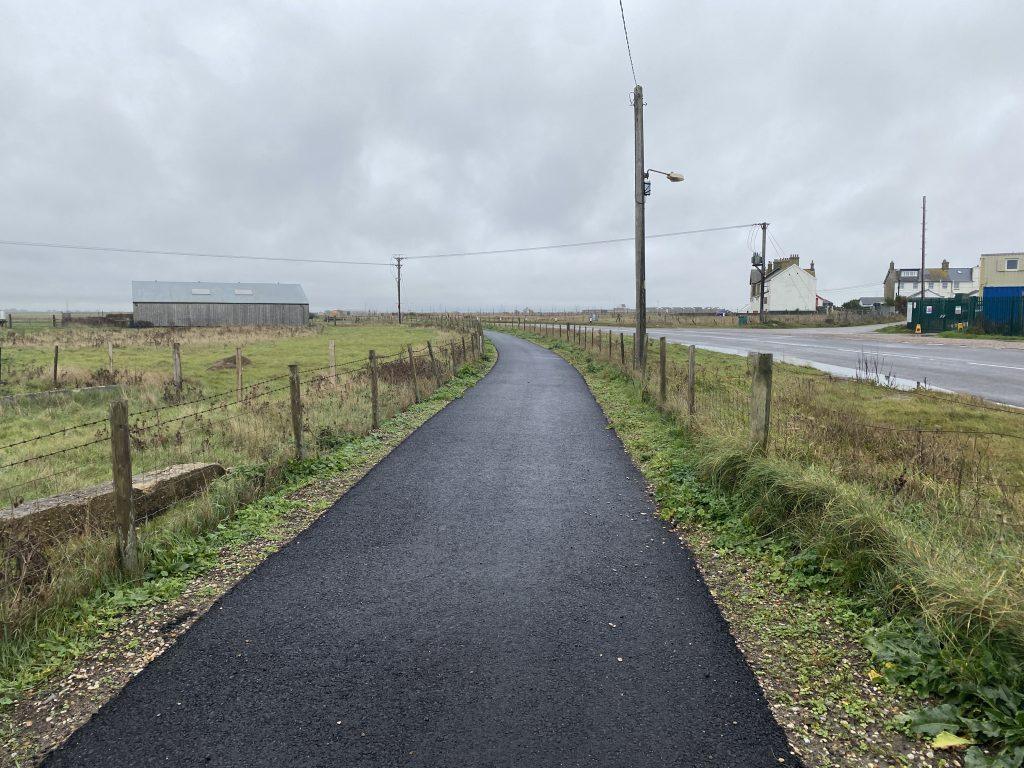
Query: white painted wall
[[935, 289], [792, 289]]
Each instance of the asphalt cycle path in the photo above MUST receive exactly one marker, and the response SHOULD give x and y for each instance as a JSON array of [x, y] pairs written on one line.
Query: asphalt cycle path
[[496, 592]]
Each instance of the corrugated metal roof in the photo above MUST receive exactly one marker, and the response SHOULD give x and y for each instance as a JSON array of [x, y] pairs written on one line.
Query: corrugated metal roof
[[151, 291]]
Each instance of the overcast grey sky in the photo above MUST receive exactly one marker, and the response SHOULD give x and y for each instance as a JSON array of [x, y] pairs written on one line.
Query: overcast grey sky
[[359, 130]]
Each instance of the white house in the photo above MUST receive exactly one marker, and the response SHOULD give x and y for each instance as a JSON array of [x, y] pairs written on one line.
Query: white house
[[787, 287], [943, 282]]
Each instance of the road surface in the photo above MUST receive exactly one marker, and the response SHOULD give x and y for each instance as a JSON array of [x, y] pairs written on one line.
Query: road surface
[[992, 370], [496, 592]]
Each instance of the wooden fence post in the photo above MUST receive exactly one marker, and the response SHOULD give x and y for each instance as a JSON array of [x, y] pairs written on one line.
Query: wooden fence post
[[293, 381], [622, 348], [374, 391], [176, 362], [455, 366], [433, 365], [663, 374], [761, 399], [110, 355], [691, 382], [331, 360], [238, 373], [56, 355], [415, 378], [124, 501], [464, 358]]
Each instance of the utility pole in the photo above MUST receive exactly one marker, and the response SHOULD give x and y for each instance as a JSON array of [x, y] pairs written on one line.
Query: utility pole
[[640, 333], [764, 264], [924, 213], [398, 265]]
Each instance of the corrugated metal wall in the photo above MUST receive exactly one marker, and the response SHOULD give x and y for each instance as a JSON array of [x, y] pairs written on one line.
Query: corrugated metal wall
[[1002, 309], [186, 315]]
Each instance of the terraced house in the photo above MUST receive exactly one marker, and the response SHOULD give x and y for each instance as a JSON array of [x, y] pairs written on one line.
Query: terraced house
[[942, 282]]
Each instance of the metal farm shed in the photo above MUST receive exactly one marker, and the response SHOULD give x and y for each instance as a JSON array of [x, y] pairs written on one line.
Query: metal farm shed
[[218, 304]]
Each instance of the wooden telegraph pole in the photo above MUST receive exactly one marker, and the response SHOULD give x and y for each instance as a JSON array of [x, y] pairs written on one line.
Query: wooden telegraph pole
[[640, 332], [398, 266], [924, 214]]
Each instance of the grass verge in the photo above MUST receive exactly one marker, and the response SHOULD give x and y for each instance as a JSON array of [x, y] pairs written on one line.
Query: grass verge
[[180, 548], [933, 602]]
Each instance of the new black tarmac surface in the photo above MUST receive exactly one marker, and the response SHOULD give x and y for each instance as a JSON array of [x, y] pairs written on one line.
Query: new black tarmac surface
[[496, 592]]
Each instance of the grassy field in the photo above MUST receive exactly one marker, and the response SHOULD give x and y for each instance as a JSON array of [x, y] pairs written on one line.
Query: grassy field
[[54, 445], [911, 500], [143, 356], [143, 369]]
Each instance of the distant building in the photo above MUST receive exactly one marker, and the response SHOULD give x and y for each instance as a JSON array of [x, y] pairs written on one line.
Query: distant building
[[190, 305], [940, 282], [1001, 269], [871, 302], [787, 287]]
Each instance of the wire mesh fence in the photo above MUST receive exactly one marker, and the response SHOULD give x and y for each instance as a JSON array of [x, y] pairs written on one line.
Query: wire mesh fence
[[55, 483], [949, 455]]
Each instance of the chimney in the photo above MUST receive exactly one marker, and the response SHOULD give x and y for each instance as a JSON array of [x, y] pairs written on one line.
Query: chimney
[[811, 270], [945, 265]]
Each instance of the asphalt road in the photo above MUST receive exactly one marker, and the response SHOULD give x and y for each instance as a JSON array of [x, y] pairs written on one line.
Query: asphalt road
[[496, 592], [994, 371]]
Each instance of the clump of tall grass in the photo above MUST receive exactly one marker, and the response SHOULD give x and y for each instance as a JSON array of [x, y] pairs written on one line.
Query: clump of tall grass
[[961, 575]]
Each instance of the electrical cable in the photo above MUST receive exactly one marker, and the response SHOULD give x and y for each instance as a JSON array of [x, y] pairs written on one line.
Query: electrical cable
[[150, 252], [576, 245], [629, 50]]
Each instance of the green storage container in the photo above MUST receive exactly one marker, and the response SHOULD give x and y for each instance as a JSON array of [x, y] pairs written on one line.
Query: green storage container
[[935, 315]]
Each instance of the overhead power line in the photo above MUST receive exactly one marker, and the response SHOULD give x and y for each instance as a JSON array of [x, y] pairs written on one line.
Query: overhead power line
[[110, 249], [527, 249], [851, 287], [574, 245], [629, 51]]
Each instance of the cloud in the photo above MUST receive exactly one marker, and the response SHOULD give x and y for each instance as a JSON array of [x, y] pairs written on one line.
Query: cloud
[[330, 131]]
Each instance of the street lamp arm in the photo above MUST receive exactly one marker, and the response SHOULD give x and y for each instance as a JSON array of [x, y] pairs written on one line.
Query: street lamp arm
[[670, 175]]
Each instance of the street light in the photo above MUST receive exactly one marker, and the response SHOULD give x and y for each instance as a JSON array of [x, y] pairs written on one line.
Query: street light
[[671, 175], [641, 189]]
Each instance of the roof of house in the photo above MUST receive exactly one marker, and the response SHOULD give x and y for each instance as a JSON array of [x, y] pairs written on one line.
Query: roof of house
[[777, 267], [870, 301], [938, 274], [154, 291]]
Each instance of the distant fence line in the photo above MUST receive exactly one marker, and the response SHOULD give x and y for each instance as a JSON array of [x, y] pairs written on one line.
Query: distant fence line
[[816, 418]]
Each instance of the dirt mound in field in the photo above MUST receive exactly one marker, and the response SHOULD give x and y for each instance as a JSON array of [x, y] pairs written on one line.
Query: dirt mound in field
[[228, 363]]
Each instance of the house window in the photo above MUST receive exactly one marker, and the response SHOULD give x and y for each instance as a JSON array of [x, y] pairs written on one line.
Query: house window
[[931, 285], [956, 286], [1012, 265], [908, 272], [200, 291], [243, 291], [945, 284]]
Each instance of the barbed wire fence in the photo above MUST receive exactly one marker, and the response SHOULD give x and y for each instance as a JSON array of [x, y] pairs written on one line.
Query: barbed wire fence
[[951, 468], [46, 499]]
